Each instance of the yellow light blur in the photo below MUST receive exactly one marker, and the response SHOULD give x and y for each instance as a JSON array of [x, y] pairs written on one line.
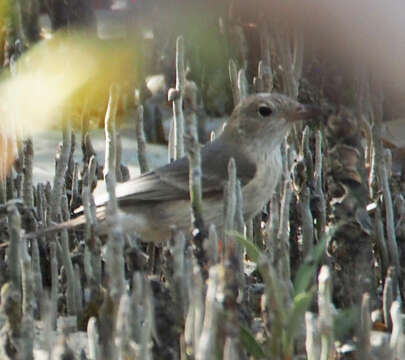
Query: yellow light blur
[[61, 74]]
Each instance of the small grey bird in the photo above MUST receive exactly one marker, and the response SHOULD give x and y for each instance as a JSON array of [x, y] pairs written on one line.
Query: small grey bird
[[151, 203]]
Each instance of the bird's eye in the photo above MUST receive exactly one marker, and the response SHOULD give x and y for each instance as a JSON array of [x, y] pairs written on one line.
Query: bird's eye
[[264, 110]]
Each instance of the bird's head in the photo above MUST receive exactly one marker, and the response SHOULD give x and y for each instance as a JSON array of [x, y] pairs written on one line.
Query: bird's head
[[266, 118]]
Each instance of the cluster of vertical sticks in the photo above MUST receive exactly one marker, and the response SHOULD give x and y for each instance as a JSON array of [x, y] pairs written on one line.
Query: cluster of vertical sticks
[[208, 288]]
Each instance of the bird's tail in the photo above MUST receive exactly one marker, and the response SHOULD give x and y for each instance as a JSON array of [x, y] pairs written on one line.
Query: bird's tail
[[70, 224]]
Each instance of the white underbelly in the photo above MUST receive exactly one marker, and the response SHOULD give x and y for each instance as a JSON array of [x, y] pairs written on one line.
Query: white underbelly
[[261, 189]]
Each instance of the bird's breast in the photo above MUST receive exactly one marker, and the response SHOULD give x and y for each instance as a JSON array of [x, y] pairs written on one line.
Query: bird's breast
[[261, 188]]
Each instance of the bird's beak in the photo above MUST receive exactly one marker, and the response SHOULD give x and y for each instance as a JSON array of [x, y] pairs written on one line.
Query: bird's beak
[[305, 112]]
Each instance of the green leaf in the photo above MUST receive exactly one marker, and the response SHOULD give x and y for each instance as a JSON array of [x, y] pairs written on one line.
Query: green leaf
[[252, 250], [345, 321], [296, 314], [304, 276], [250, 344], [307, 271]]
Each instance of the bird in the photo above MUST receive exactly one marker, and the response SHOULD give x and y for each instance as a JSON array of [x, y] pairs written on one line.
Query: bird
[[153, 202]]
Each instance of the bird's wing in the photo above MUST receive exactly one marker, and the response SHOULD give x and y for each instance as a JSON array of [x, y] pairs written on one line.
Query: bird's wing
[[170, 182]]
